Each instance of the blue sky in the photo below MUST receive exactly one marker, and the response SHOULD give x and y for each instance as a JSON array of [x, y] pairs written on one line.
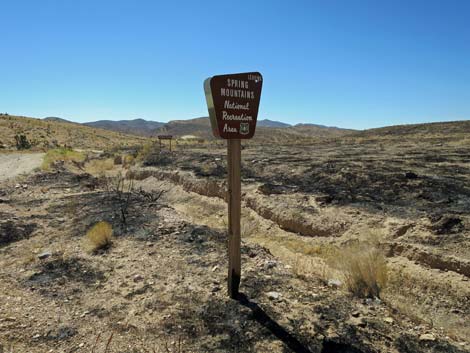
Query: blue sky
[[355, 64]]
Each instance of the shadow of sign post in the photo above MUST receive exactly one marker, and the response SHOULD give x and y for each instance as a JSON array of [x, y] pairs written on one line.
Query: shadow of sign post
[[262, 318], [233, 103]]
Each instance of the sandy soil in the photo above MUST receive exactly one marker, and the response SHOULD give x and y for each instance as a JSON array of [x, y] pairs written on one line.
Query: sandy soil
[[13, 164]]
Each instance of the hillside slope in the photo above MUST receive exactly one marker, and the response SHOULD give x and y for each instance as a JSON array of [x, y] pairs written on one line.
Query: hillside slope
[[52, 133], [199, 127], [428, 129]]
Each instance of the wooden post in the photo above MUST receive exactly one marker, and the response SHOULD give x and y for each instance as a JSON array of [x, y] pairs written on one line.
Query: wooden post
[[234, 214]]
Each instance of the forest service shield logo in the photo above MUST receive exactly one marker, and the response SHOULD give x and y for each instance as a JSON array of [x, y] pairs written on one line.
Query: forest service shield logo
[[244, 128]]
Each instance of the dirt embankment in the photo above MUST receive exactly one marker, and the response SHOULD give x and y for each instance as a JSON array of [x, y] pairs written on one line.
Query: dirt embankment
[[421, 251], [14, 164], [302, 219]]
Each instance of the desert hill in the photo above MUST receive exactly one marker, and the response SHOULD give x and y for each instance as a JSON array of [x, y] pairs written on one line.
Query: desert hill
[[266, 131], [429, 129], [199, 127], [53, 132], [271, 123], [138, 127], [58, 120]]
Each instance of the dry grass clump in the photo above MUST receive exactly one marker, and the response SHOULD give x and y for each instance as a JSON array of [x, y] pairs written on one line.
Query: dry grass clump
[[128, 160], [61, 154], [99, 166], [363, 267], [365, 272], [99, 236]]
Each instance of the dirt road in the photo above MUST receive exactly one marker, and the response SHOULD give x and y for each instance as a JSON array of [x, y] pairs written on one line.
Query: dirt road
[[13, 164]]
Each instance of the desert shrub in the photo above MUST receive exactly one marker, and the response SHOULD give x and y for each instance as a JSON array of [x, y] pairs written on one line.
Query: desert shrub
[[118, 159], [61, 154], [128, 160], [122, 193], [99, 236], [364, 269], [146, 149], [22, 142], [157, 158], [366, 273], [126, 197]]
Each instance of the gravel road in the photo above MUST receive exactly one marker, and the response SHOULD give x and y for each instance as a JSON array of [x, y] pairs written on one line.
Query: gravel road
[[13, 164]]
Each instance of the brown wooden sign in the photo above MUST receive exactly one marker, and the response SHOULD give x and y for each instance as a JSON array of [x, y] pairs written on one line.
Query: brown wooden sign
[[233, 102], [165, 137]]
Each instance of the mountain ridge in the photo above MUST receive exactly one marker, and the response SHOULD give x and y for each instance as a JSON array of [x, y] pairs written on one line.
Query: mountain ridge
[[139, 126]]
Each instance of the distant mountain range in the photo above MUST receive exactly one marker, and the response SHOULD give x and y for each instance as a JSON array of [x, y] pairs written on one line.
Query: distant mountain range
[[131, 131], [139, 127], [200, 127], [271, 123]]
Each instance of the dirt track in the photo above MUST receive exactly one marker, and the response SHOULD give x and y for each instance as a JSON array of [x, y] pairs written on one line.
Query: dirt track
[[13, 164]]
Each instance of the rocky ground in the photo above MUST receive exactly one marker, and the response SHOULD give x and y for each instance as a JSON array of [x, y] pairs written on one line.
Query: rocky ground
[[161, 285]]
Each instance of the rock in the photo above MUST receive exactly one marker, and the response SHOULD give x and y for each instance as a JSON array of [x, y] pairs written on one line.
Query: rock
[[335, 283], [215, 268], [270, 189], [356, 313], [273, 295], [270, 264], [427, 337], [215, 289], [138, 278], [331, 334], [389, 320], [44, 255], [357, 321]]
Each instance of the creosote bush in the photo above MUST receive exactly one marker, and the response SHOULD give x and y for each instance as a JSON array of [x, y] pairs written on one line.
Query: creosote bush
[[99, 236]]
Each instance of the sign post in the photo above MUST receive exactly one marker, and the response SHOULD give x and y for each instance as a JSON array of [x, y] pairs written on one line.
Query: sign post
[[233, 103], [164, 137]]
